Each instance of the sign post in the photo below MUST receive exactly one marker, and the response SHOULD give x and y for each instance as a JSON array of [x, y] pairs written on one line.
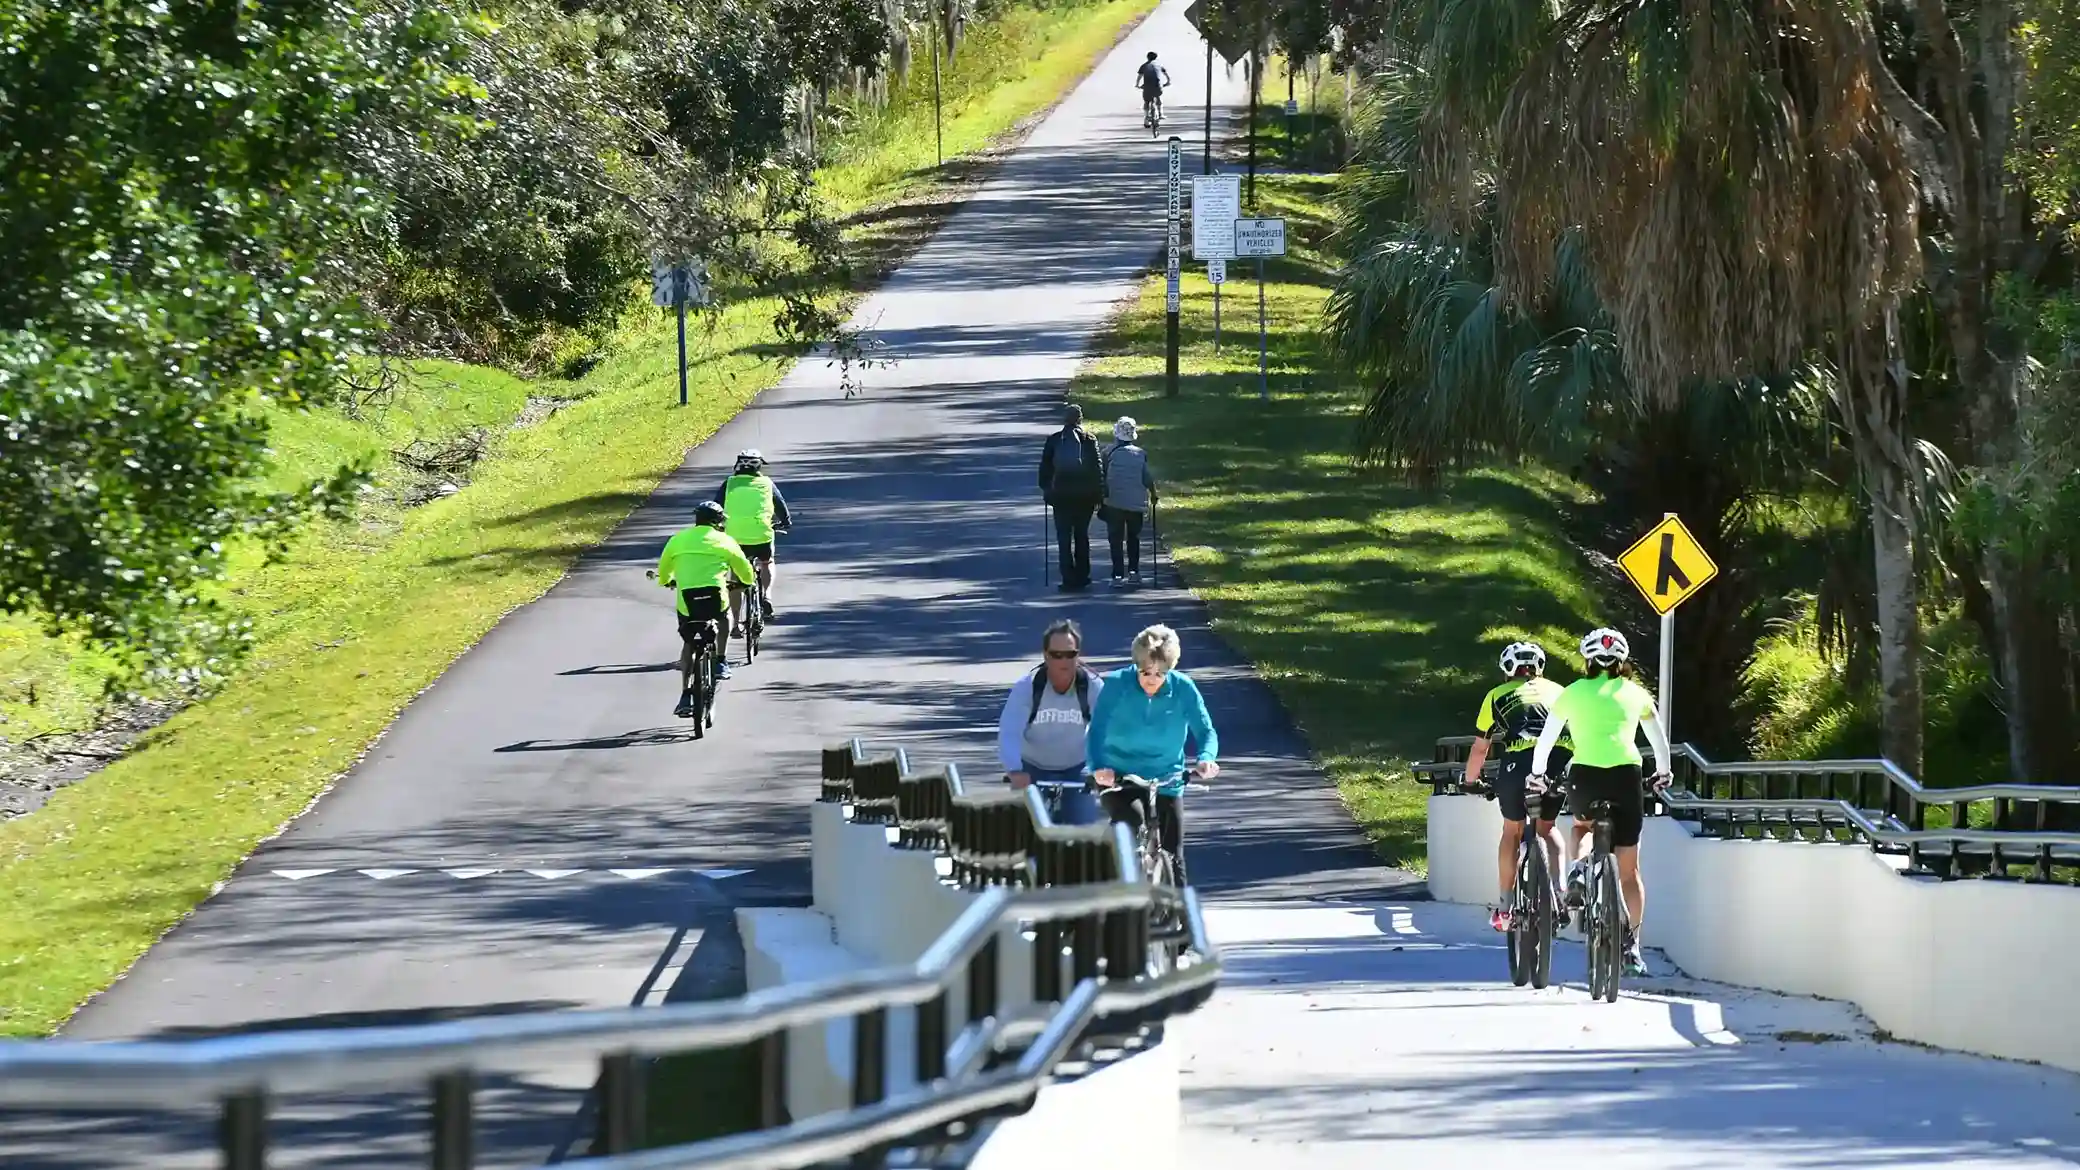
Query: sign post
[[1667, 566], [1216, 205], [1261, 238], [677, 285], [1173, 299]]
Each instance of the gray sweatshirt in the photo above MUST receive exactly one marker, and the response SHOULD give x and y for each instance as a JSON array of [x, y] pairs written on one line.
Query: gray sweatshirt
[[1128, 481], [1054, 738]]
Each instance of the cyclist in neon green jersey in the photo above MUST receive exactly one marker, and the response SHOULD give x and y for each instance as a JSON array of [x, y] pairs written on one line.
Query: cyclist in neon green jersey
[[695, 564], [757, 513], [1511, 717], [1604, 714]]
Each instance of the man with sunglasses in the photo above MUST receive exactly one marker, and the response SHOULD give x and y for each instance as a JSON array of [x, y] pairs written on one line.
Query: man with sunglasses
[[1040, 735]]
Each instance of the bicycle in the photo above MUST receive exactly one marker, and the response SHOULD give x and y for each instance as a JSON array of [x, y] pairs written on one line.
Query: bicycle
[[1534, 914], [755, 605], [1167, 933], [704, 649], [1152, 113], [1052, 793]]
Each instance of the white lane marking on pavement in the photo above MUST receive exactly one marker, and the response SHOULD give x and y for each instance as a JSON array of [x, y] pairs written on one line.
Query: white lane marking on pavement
[[631, 874], [1404, 922]]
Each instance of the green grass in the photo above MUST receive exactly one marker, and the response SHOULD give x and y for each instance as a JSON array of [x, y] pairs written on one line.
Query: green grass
[[363, 616], [1373, 610]]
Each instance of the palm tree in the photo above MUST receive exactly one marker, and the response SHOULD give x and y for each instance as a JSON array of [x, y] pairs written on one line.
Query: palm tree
[[1727, 173]]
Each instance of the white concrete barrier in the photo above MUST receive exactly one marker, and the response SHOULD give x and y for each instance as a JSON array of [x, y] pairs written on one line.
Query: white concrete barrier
[[1974, 966], [875, 905]]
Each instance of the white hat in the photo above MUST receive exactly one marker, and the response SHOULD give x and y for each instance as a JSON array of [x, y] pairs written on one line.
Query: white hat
[[1125, 429]]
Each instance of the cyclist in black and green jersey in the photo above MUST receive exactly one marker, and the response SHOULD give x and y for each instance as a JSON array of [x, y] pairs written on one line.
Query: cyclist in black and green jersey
[[1511, 716]]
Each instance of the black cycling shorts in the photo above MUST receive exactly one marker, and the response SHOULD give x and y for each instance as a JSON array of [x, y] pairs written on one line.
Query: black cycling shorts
[[1512, 778], [759, 552], [702, 607], [1620, 786]]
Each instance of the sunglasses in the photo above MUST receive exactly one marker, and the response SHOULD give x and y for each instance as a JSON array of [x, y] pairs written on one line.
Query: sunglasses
[[1061, 654]]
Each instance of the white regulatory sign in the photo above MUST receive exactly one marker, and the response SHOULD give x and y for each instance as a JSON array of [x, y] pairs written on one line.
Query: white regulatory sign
[[1216, 204], [1217, 272], [1260, 237]]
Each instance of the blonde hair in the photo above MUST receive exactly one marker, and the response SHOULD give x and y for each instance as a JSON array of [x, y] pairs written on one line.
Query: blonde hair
[[1158, 644]]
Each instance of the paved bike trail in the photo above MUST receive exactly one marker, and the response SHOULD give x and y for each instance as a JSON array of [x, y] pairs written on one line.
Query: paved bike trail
[[538, 831]]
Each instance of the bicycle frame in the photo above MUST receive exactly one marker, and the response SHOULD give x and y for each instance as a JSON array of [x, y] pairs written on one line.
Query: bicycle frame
[[1603, 911]]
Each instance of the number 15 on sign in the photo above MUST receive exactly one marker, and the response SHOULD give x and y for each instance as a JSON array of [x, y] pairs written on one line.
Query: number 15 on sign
[[1668, 567]]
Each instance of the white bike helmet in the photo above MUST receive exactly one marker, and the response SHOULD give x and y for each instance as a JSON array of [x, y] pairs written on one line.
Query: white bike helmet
[[1605, 647], [749, 457], [1518, 655]]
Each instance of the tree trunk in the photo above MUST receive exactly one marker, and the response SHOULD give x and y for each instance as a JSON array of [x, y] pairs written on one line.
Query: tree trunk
[[1873, 389]]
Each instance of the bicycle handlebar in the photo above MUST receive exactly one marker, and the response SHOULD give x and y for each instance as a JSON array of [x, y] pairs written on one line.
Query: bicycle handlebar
[[1138, 782]]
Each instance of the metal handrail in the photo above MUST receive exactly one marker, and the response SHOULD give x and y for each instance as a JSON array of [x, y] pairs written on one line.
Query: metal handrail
[[1899, 826], [177, 1072], [961, 1081]]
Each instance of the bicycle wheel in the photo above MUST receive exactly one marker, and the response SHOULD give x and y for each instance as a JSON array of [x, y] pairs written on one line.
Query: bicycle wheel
[[1539, 934], [1613, 909], [1165, 928], [752, 624], [1517, 939], [703, 682]]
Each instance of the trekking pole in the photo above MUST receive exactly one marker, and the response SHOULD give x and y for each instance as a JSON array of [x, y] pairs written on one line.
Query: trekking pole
[[1155, 541], [1046, 534]]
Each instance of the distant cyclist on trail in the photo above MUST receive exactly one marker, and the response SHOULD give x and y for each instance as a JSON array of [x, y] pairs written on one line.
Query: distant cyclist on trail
[[1511, 717], [1603, 713], [757, 512], [1153, 80], [696, 564]]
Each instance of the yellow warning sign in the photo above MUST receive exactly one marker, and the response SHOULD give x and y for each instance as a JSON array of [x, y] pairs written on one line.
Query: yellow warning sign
[[1668, 565]]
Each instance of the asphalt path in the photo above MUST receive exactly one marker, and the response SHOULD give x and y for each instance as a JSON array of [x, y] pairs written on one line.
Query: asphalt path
[[537, 831]]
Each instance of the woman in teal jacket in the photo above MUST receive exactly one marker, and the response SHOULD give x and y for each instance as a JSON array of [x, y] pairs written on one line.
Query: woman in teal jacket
[[1141, 730]]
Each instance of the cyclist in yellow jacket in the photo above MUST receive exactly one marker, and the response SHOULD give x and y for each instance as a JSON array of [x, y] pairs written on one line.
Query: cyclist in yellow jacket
[[757, 513], [696, 564]]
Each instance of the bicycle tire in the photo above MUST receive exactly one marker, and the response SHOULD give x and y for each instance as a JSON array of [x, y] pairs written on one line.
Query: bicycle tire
[[1540, 931], [703, 682], [1517, 939], [1162, 951], [1613, 932]]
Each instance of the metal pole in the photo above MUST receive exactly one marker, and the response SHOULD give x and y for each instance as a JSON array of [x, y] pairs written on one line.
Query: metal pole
[[1206, 144], [1046, 543], [1256, 87], [1216, 318], [1173, 300], [1263, 361], [680, 293], [938, 129], [1668, 665]]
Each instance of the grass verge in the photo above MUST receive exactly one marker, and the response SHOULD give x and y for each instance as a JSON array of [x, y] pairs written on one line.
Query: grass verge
[[1373, 610], [365, 616]]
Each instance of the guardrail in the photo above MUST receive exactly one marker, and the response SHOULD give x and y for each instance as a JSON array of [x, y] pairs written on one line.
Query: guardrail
[[993, 1066], [1988, 830]]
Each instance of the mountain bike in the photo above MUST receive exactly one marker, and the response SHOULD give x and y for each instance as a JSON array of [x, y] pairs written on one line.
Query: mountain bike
[[754, 616], [1152, 113], [1603, 913], [1533, 913]]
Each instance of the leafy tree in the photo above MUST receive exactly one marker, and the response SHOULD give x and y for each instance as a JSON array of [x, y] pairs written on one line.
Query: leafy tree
[[175, 181]]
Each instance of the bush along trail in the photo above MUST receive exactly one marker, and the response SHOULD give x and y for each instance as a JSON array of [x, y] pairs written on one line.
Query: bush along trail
[[488, 486]]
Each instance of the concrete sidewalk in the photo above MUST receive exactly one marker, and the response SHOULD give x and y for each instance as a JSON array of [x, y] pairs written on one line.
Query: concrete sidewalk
[[1351, 1036]]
